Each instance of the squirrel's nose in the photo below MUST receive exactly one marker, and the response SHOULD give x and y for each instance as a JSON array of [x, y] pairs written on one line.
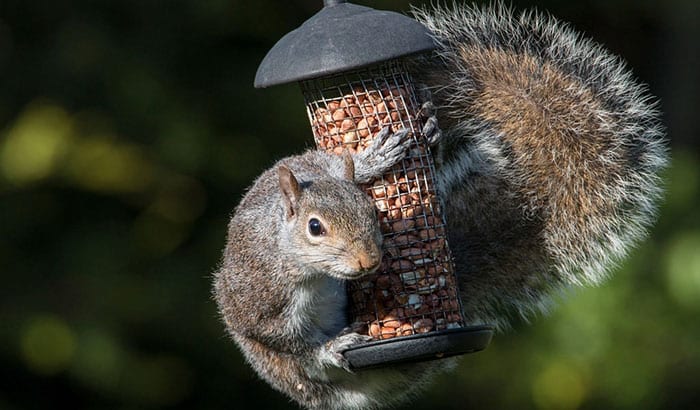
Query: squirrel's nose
[[369, 261]]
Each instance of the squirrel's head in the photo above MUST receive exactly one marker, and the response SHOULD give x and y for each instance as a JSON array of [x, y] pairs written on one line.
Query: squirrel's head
[[331, 225]]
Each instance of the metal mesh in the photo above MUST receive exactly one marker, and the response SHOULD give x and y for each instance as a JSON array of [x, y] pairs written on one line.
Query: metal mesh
[[415, 289]]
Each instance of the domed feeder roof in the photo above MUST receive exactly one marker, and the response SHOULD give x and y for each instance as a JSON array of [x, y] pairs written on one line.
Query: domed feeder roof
[[341, 37]]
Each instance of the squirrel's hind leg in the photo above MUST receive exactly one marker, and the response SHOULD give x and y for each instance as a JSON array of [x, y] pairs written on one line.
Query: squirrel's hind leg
[[428, 112]]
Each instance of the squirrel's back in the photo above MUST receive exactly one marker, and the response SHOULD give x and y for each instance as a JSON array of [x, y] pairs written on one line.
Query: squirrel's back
[[552, 152]]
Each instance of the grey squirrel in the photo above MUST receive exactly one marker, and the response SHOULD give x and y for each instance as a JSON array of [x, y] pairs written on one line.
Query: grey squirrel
[[548, 166], [301, 230]]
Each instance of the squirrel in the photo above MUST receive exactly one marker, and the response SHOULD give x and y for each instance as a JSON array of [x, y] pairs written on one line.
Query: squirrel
[[304, 228], [548, 164]]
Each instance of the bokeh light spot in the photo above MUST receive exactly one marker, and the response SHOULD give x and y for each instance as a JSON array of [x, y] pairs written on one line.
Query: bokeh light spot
[[163, 380], [35, 143], [156, 235], [48, 345], [99, 361], [102, 164], [559, 386], [683, 269]]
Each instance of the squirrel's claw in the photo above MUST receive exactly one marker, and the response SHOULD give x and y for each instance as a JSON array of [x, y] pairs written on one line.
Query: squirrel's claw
[[428, 112], [430, 130], [335, 348]]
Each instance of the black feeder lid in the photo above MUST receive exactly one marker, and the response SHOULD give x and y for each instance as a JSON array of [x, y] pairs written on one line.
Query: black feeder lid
[[341, 37]]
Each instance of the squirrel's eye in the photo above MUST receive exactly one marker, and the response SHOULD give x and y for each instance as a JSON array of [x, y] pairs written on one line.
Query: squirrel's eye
[[315, 227]]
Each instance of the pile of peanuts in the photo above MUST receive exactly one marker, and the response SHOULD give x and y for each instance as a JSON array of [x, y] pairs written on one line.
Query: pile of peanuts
[[350, 122], [415, 289]]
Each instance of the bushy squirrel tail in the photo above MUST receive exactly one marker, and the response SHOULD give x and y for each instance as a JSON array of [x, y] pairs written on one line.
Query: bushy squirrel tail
[[554, 121]]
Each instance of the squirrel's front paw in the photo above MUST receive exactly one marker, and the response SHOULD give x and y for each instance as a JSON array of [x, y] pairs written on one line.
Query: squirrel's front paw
[[386, 149], [390, 146], [335, 347]]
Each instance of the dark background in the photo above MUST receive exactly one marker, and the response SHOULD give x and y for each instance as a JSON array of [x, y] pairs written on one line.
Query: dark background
[[128, 131]]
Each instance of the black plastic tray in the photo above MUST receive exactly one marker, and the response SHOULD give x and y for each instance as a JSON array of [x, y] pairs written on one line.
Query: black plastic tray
[[418, 348]]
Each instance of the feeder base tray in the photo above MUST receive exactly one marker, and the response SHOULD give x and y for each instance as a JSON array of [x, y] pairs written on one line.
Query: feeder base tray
[[418, 348]]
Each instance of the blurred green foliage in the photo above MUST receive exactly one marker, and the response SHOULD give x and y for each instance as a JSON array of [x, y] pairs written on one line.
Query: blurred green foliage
[[128, 132]]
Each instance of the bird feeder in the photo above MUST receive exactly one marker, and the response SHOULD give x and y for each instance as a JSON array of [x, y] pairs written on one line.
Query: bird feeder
[[349, 61]]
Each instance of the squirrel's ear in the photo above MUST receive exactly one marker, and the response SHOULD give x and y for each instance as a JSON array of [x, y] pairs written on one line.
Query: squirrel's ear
[[349, 172], [290, 190]]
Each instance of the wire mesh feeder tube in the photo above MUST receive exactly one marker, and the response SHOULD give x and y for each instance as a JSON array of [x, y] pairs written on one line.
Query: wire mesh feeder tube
[[415, 290]]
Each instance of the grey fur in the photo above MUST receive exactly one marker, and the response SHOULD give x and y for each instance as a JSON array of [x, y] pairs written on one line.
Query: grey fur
[[515, 246]]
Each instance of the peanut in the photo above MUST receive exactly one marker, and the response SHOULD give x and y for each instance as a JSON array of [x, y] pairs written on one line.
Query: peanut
[[338, 115], [347, 124], [391, 321], [403, 239], [379, 191], [375, 329], [401, 265], [350, 137], [388, 332], [391, 189], [405, 329], [403, 225], [355, 111]]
